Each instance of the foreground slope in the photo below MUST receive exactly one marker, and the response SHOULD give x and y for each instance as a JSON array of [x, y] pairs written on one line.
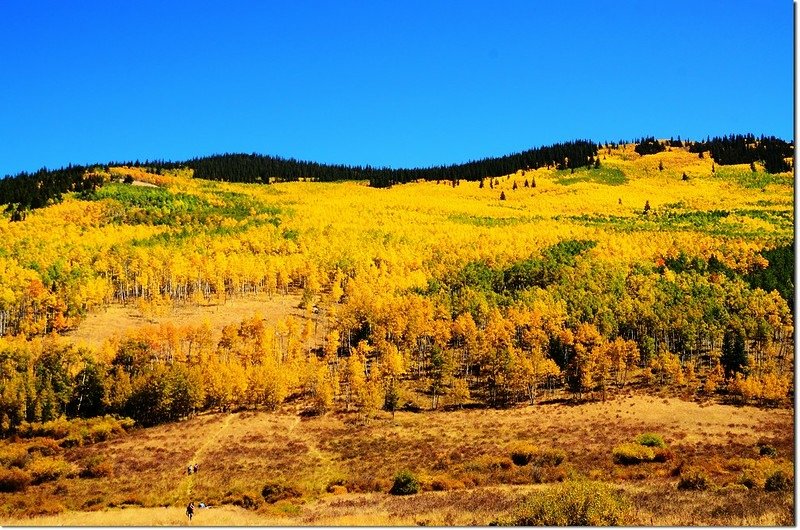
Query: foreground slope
[[335, 470]]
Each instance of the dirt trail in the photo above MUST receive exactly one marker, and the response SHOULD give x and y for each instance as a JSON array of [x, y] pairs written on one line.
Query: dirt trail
[[197, 456]]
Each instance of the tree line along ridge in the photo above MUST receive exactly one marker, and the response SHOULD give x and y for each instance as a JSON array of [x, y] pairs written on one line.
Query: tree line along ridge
[[25, 191]]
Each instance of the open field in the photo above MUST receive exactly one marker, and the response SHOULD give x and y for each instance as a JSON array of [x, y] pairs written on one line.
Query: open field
[[337, 470], [116, 320]]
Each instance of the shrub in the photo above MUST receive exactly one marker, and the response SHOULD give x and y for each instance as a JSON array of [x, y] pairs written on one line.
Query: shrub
[[693, 479], [662, 454], [522, 453], [44, 446], [446, 484], [13, 456], [543, 474], [96, 467], [748, 480], [778, 481], [548, 457], [405, 483], [630, 453], [337, 489], [767, 450], [100, 432], [14, 480], [46, 469], [650, 439], [273, 492], [573, 503], [248, 502]]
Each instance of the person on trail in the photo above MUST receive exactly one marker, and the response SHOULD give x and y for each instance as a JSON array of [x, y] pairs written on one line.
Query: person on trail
[[189, 470], [195, 468], [190, 511]]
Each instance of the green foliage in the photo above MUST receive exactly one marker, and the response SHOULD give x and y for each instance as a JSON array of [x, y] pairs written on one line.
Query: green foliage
[[405, 483], [574, 503], [159, 206], [609, 176], [650, 439], [779, 274], [694, 479], [632, 453], [491, 222]]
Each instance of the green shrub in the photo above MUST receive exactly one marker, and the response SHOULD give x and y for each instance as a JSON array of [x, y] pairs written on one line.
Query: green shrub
[[631, 453], [405, 483], [694, 479], [778, 481], [14, 479], [574, 503], [650, 439]]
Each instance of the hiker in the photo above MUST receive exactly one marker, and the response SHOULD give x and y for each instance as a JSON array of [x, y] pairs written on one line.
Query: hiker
[[190, 511], [189, 470], [195, 468]]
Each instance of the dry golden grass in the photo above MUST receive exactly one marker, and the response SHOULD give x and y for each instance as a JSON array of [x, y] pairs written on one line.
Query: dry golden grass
[[339, 470], [117, 319]]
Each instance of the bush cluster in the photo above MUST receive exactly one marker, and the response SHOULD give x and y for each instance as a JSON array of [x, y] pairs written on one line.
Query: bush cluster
[[633, 453], [405, 483], [574, 503], [273, 492], [96, 467], [778, 481], [649, 447], [14, 479], [77, 431], [523, 454], [650, 439], [694, 479]]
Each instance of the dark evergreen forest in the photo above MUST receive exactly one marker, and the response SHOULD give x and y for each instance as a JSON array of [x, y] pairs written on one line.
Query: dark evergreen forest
[[26, 191]]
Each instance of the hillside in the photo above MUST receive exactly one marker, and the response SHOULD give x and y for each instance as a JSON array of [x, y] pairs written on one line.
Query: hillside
[[318, 334], [333, 471]]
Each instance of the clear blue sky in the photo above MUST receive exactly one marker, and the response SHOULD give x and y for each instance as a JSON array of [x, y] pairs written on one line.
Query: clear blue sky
[[398, 83]]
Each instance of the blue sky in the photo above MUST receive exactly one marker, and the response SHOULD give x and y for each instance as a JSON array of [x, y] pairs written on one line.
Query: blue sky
[[398, 83]]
